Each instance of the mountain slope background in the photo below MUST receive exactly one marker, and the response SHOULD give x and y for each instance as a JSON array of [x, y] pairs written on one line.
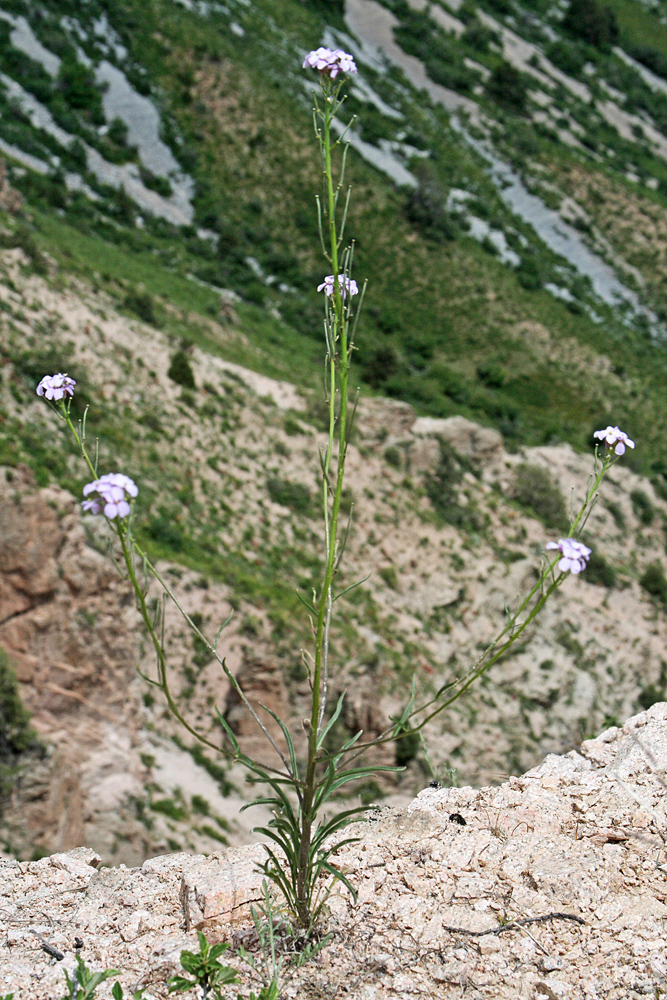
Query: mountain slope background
[[166, 255]]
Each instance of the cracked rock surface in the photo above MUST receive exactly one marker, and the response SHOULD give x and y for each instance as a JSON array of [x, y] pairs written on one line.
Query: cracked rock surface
[[552, 884]]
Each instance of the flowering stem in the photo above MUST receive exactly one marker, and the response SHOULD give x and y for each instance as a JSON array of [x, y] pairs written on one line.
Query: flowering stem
[[79, 438], [129, 548], [489, 657], [338, 365]]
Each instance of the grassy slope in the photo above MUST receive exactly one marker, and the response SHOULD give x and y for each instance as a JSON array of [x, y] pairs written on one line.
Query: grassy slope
[[451, 308], [448, 310]]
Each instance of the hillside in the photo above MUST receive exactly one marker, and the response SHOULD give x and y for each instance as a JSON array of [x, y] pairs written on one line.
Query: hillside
[[160, 244], [174, 144], [449, 525]]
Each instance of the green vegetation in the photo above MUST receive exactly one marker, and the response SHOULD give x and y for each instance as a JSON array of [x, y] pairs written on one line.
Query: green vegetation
[[180, 370], [440, 370], [507, 87], [170, 808], [447, 327], [83, 983], [442, 489], [654, 582], [536, 490], [642, 506], [418, 35], [143, 306], [651, 693], [296, 496], [390, 576], [592, 22], [205, 969]]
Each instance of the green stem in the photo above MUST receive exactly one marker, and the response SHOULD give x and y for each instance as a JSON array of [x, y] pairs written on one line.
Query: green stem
[[142, 607], [338, 387], [163, 681]]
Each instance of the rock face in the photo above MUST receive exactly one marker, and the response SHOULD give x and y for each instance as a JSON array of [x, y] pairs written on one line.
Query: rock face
[[220, 891], [10, 199], [73, 642], [466, 437], [552, 884], [263, 685]]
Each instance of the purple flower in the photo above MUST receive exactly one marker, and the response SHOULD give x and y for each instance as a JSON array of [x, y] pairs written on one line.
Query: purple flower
[[346, 63], [575, 554], [330, 62], [612, 436], [113, 490], [346, 284], [56, 386]]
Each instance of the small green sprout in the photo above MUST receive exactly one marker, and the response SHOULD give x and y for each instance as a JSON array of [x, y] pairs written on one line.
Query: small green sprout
[[84, 983], [208, 972]]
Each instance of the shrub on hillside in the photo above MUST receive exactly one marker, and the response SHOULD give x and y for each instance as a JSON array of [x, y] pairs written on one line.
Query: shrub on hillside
[[16, 736], [654, 582], [141, 304], [326, 7], [425, 209], [491, 374], [592, 23], [529, 275], [650, 57], [598, 570], [535, 489], [566, 56], [649, 695], [77, 84], [642, 506], [380, 365], [478, 36], [507, 87], [180, 370], [442, 489], [296, 496], [165, 531]]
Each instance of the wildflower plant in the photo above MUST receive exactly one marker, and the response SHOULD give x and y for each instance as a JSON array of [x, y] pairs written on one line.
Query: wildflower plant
[[206, 970], [305, 824], [83, 983]]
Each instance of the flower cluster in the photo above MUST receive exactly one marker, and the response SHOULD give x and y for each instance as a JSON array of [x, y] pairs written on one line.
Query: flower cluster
[[56, 386], [612, 436], [330, 62], [346, 285], [113, 490], [575, 554]]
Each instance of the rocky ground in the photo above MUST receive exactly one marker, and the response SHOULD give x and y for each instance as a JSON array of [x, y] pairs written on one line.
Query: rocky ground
[[549, 885]]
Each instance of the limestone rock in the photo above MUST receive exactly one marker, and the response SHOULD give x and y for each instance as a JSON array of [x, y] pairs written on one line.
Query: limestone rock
[[262, 683], [524, 901], [11, 200], [73, 648], [221, 890], [384, 418], [466, 437], [423, 455]]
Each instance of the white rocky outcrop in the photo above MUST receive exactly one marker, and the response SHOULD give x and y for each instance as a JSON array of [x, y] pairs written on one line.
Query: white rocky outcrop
[[552, 884]]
